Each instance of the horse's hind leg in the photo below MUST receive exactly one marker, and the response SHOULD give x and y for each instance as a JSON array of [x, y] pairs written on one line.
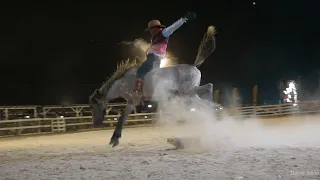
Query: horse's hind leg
[[205, 90]]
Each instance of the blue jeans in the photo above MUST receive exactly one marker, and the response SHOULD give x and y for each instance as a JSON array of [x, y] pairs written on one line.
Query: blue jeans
[[152, 61]]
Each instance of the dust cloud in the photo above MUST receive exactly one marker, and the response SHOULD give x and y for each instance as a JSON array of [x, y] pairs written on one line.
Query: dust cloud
[[196, 123]]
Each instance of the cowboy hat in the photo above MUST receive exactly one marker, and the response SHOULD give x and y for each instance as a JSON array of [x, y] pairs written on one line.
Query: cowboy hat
[[153, 24]]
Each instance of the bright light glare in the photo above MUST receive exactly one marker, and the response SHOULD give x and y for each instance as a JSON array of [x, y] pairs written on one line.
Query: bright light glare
[[192, 109], [291, 92], [163, 62], [27, 117], [149, 106], [61, 116]]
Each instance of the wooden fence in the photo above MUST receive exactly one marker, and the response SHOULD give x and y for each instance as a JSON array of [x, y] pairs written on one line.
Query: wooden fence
[[79, 117], [311, 107], [66, 124]]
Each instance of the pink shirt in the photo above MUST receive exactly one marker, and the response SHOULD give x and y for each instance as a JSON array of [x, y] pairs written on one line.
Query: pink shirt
[[159, 42]]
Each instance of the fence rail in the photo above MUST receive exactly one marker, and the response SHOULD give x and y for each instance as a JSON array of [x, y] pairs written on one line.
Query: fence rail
[[50, 125], [277, 109], [78, 117]]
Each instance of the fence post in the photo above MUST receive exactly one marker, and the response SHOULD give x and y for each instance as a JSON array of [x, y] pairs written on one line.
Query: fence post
[[35, 115], [44, 112], [255, 95], [216, 96], [6, 114], [280, 108], [77, 112], [235, 97]]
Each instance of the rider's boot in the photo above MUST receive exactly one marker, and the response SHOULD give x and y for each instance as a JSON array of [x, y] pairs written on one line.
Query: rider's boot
[[137, 91]]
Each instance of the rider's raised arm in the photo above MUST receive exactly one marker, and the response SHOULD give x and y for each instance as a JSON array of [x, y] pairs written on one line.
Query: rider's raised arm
[[166, 32]]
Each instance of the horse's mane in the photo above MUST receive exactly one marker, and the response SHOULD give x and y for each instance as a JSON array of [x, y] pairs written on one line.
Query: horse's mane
[[122, 68]]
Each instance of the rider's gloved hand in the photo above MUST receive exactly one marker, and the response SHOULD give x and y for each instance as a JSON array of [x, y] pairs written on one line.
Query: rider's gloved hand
[[190, 16]]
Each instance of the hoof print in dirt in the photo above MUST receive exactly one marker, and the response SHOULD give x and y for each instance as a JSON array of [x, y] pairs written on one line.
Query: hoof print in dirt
[[82, 168]]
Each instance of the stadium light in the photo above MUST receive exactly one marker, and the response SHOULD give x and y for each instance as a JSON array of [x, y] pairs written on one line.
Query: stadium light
[[291, 93]]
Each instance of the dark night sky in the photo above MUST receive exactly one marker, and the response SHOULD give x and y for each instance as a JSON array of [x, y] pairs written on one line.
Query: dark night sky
[[59, 52]]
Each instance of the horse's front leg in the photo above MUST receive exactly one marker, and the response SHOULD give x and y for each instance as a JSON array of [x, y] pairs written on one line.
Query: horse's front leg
[[121, 121]]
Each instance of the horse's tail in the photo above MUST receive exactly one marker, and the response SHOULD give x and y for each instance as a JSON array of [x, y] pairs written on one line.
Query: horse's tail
[[207, 46]]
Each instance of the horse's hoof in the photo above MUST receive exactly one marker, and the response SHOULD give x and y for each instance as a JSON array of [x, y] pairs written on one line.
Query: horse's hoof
[[111, 142], [114, 141]]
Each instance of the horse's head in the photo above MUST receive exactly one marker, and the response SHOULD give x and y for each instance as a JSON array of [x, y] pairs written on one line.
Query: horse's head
[[98, 108]]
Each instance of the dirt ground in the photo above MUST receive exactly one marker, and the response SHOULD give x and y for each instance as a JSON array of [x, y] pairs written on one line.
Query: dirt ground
[[255, 149]]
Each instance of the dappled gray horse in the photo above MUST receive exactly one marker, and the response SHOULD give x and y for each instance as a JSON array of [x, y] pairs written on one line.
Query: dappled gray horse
[[160, 84]]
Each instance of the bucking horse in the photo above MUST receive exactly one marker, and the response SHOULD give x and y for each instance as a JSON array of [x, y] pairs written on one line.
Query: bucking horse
[[159, 84]]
